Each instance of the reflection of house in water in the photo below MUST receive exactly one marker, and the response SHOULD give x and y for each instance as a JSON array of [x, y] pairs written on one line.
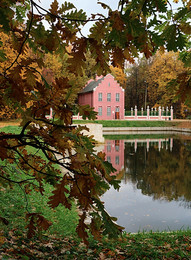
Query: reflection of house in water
[[161, 143], [114, 150]]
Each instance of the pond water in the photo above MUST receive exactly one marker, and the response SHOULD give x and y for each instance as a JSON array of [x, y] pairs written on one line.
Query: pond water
[[155, 175]]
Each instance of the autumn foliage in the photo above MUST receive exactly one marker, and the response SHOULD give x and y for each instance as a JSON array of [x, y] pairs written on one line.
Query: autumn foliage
[[37, 74]]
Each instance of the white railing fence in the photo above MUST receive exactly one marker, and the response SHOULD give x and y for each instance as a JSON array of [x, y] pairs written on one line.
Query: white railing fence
[[150, 114]]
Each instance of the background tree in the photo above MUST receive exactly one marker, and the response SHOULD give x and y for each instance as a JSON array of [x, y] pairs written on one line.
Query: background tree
[[120, 76], [55, 151], [164, 68], [136, 87], [183, 83]]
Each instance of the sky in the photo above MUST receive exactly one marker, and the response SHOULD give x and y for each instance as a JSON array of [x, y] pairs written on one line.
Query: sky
[[91, 6]]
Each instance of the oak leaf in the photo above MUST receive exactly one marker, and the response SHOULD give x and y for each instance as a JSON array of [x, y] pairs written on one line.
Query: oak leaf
[[81, 229], [37, 222], [59, 196]]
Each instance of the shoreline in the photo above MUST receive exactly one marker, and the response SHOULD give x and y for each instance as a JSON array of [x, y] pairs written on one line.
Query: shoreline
[[144, 130]]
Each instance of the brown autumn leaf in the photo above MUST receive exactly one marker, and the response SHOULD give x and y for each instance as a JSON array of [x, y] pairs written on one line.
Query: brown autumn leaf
[[43, 223], [95, 232], [37, 222], [31, 226], [81, 229], [59, 196], [54, 7]]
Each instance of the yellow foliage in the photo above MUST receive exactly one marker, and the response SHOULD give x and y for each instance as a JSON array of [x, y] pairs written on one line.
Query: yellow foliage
[[164, 68], [119, 75]]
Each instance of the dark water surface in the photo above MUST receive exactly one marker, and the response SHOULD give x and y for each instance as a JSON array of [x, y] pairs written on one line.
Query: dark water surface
[[155, 175]]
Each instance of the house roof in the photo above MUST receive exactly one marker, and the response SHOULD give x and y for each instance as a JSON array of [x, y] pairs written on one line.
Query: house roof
[[90, 87]]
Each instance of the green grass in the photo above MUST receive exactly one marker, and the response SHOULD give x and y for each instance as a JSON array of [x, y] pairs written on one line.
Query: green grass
[[11, 129], [126, 123], [15, 203]]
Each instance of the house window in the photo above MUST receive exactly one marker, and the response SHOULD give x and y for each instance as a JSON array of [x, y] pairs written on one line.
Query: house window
[[108, 111], [108, 147], [108, 96], [117, 97], [117, 145], [99, 96], [117, 160], [109, 84], [117, 109], [99, 111], [109, 159]]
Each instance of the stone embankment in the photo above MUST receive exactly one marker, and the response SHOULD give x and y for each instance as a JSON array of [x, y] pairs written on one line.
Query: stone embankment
[[96, 130], [144, 130]]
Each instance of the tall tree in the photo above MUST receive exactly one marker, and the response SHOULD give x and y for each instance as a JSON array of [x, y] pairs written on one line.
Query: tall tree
[[165, 67], [136, 87], [82, 176], [119, 75]]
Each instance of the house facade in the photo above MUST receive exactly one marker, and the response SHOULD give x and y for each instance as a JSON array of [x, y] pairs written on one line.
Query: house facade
[[106, 96]]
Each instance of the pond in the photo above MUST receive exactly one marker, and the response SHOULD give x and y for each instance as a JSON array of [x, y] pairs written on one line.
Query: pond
[[155, 175]]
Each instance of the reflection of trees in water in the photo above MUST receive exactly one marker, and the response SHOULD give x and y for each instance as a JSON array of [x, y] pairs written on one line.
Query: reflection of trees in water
[[184, 203], [161, 174]]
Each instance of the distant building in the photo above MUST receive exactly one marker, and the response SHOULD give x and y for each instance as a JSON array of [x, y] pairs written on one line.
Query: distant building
[[106, 96]]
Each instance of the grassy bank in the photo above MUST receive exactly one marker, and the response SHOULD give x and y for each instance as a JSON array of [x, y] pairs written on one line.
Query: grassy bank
[[174, 245], [15, 202], [126, 123]]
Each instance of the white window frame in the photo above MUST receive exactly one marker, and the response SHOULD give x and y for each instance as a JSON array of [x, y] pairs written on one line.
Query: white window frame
[[117, 97], [117, 159], [108, 111], [99, 111], [109, 97], [100, 96]]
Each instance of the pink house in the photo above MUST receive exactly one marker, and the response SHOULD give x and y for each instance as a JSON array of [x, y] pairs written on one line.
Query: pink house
[[106, 96]]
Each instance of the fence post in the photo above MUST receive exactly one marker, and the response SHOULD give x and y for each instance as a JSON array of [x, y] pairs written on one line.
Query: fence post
[[131, 111], [162, 111], [159, 117], [155, 111], [142, 111], [171, 113], [167, 116], [148, 112], [135, 112]]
